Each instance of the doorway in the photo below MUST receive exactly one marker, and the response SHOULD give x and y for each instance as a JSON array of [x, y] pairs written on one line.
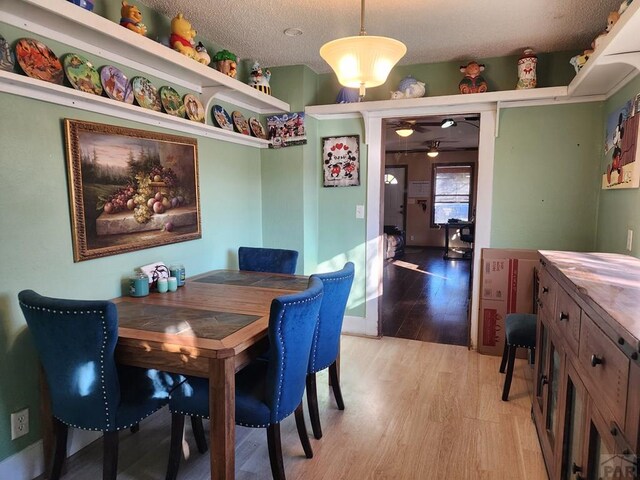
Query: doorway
[[427, 293]]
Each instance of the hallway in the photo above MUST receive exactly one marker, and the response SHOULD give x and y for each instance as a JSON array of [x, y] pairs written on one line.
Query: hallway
[[425, 297]]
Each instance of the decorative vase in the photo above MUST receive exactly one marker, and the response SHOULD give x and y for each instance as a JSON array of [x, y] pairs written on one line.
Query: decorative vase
[[527, 70]]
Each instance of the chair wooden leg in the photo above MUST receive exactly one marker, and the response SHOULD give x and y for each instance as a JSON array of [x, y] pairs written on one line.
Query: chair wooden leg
[[335, 384], [110, 456], [60, 434], [198, 433], [312, 402], [275, 452], [507, 379], [503, 362], [302, 432], [175, 449], [135, 428]]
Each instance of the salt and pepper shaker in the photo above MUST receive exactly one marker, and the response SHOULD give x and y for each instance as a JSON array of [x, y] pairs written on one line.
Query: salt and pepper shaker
[[172, 283], [163, 285]]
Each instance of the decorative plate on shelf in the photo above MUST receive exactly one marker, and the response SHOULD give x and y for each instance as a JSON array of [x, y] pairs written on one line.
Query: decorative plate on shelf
[[146, 94], [222, 118], [38, 61], [193, 108], [257, 129], [7, 58], [241, 124], [171, 102], [116, 84], [81, 74]]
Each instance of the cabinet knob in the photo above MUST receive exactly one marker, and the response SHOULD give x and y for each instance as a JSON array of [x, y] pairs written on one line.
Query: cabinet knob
[[614, 430], [564, 316], [545, 289], [543, 380], [576, 469], [596, 360]]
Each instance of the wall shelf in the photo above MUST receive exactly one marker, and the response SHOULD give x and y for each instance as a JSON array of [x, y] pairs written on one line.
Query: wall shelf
[[16, 84], [406, 105], [64, 22], [615, 61]]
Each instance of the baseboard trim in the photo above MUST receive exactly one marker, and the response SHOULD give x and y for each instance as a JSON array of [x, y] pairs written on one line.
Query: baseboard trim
[[28, 463], [358, 326]]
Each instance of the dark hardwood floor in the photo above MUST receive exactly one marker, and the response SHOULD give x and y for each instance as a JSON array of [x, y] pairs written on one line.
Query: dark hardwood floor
[[425, 297]]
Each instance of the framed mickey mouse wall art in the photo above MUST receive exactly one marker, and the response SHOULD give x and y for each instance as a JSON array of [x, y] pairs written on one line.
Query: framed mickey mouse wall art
[[341, 161]]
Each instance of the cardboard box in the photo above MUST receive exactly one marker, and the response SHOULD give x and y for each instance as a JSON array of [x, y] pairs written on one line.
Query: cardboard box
[[506, 286]]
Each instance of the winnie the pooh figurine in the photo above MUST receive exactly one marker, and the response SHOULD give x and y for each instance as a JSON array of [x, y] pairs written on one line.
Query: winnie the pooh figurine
[[182, 35], [131, 18]]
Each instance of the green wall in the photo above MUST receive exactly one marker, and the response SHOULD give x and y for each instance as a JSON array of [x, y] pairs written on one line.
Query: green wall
[[619, 210], [545, 177], [36, 234]]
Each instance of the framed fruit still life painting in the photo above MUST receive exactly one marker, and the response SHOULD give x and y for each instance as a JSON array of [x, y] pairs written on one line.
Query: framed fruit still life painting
[[130, 189]]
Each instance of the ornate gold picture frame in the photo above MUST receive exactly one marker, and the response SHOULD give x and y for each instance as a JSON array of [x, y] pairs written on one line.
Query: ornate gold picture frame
[[130, 189]]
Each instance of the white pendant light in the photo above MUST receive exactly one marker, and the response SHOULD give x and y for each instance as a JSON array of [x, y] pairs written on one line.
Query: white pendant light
[[362, 61], [404, 132]]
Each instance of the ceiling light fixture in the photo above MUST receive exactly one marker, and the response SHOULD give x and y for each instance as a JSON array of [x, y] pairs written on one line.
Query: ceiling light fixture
[[404, 132], [362, 61], [293, 32], [448, 122], [433, 149]]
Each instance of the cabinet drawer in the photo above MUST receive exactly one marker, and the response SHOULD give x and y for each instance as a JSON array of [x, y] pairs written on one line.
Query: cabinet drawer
[[547, 288], [607, 369], [567, 319]]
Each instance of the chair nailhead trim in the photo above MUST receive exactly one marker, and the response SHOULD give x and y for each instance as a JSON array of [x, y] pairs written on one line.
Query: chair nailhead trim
[[102, 350]]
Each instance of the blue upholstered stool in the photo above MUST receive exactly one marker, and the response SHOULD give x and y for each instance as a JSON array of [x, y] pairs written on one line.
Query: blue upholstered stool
[[520, 330]]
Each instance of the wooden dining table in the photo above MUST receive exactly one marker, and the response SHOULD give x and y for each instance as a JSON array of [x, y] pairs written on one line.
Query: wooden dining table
[[211, 327]]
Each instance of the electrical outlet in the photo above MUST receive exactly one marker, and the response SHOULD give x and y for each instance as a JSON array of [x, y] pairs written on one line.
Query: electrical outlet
[[412, 237], [629, 239], [19, 423]]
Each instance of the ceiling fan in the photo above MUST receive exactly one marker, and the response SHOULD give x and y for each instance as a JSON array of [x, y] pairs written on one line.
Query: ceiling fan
[[404, 128]]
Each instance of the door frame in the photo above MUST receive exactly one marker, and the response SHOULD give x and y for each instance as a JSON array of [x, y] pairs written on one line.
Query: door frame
[[404, 193], [374, 138]]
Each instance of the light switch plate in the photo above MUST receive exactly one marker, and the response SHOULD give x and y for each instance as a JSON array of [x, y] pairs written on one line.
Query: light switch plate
[[359, 211]]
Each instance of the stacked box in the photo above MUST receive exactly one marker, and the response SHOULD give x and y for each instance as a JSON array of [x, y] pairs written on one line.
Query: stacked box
[[506, 286]]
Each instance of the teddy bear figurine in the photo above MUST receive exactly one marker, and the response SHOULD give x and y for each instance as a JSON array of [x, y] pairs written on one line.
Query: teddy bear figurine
[[182, 35], [472, 82], [131, 18]]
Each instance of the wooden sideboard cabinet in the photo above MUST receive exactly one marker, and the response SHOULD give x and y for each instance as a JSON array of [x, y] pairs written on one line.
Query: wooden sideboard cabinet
[[586, 404]]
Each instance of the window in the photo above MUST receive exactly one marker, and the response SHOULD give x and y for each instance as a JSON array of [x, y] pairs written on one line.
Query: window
[[390, 179], [452, 192]]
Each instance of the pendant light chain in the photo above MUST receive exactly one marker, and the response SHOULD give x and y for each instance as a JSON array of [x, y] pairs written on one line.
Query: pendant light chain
[[362, 30]]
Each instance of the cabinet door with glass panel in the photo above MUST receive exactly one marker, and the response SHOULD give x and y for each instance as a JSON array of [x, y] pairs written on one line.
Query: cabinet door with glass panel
[[573, 405], [550, 365]]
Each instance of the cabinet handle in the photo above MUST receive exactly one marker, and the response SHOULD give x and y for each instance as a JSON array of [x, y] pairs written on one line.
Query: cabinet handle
[[576, 469], [614, 430], [596, 360], [543, 381], [564, 316]]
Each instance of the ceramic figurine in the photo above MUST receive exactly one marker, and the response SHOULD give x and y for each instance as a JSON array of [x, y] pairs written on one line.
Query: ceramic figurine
[[131, 18], [259, 79], [86, 4], [409, 87], [202, 55], [182, 34], [348, 95], [579, 60], [472, 82], [624, 5], [226, 62], [527, 70]]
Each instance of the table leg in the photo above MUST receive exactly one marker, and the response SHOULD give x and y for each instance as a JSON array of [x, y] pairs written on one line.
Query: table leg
[[47, 422], [222, 427]]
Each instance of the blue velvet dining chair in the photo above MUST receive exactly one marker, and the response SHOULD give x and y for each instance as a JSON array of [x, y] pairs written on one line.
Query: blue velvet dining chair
[[326, 341], [267, 391], [75, 341], [273, 260]]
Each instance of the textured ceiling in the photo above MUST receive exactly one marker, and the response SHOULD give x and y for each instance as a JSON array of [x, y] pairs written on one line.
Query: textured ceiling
[[433, 30]]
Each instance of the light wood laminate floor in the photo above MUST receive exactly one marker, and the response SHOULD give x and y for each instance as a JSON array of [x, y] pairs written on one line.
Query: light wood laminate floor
[[414, 410]]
